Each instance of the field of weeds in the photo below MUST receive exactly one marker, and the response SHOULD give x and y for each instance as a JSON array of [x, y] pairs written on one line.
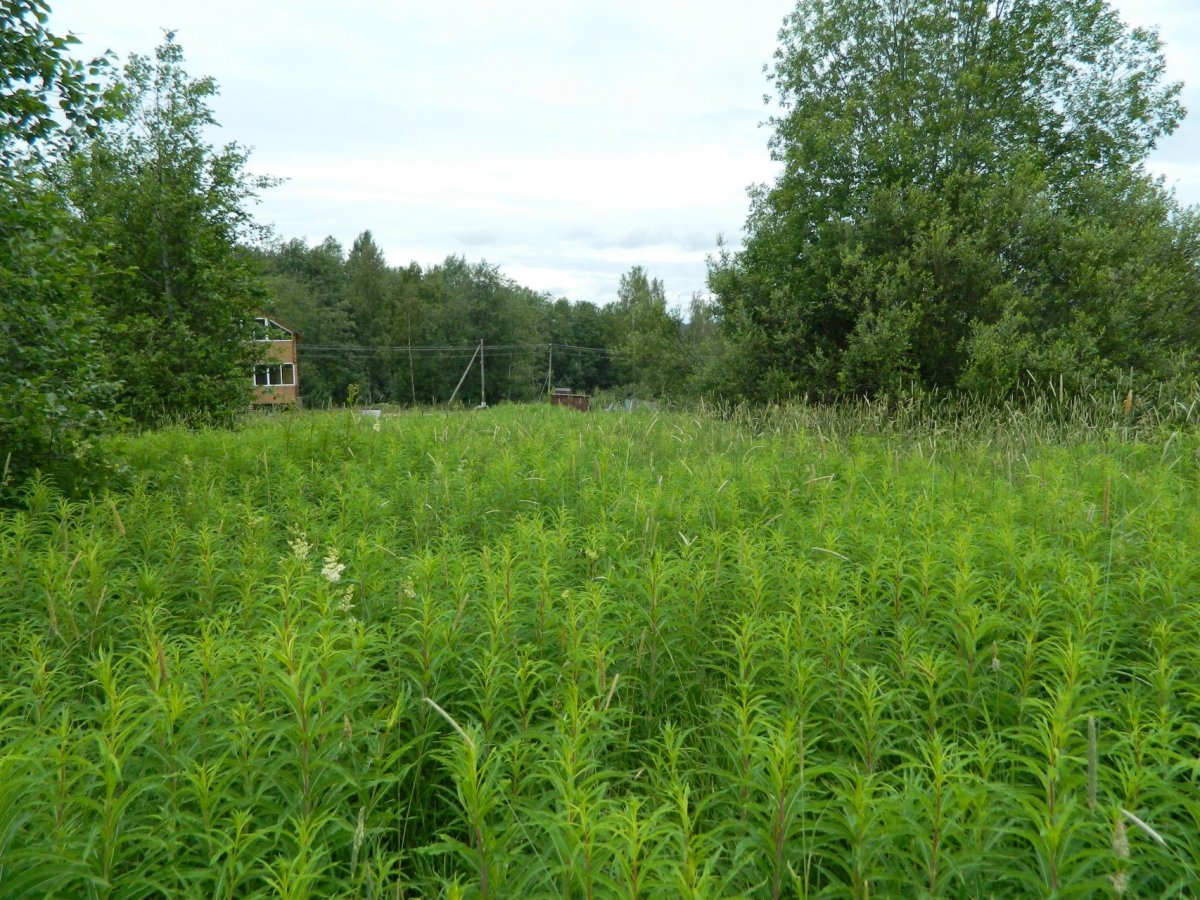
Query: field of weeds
[[525, 652]]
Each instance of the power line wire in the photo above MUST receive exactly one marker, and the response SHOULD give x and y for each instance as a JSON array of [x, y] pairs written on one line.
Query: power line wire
[[453, 351]]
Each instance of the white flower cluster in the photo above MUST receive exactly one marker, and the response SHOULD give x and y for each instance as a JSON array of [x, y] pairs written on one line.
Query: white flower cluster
[[300, 547], [332, 570], [347, 603]]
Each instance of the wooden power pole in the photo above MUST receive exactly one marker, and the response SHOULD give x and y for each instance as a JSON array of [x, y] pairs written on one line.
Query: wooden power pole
[[482, 392]]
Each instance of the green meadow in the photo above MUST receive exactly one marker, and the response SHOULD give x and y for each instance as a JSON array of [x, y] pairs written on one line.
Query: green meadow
[[525, 652]]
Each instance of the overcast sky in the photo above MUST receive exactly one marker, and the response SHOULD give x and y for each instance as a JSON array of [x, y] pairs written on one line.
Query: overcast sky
[[562, 140]]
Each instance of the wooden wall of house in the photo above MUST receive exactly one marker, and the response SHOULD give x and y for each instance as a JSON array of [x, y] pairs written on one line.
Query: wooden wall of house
[[278, 352]]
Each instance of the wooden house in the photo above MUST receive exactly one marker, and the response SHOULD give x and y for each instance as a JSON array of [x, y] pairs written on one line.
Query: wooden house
[[276, 378]]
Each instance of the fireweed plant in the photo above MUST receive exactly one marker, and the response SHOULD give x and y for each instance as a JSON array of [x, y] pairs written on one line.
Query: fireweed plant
[[524, 652]]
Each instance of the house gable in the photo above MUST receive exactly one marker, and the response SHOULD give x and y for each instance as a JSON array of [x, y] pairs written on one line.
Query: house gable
[[268, 330]]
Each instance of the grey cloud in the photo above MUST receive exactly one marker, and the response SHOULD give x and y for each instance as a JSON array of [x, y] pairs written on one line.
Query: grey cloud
[[478, 237], [580, 234], [691, 241]]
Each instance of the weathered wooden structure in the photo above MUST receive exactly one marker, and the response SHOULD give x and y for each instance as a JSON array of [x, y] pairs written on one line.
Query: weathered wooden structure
[[568, 397]]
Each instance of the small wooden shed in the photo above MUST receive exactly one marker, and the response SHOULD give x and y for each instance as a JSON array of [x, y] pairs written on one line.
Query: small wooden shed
[[568, 397], [276, 375]]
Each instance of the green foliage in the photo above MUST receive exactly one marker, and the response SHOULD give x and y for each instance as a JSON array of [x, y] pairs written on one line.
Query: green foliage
[[649, 336], [582, 324], [169, 211], [42, 88], [790, 652], [962, 202], [405, 335], [55, 389], [463, 302]]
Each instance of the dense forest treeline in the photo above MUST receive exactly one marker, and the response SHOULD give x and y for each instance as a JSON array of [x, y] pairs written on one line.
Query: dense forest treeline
[[403, 334]]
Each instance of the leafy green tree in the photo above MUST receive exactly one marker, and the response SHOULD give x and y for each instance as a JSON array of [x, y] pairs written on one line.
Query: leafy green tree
[[706, 348], [574, 326], [171, 212], [402, 328], [948, 170], [46, 96], [468, 302], [649, 336], [369, 291], [56, 390]]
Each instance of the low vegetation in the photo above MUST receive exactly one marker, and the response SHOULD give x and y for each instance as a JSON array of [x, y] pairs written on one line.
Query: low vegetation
[[526, 652]]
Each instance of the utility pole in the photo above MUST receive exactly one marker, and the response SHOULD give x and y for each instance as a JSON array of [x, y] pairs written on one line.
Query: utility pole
[[550, 372], [482, 395], [412, 375], [466, 371]]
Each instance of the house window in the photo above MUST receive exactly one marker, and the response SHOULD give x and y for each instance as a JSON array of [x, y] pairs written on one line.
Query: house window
[[267, 330], [275, 375]]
